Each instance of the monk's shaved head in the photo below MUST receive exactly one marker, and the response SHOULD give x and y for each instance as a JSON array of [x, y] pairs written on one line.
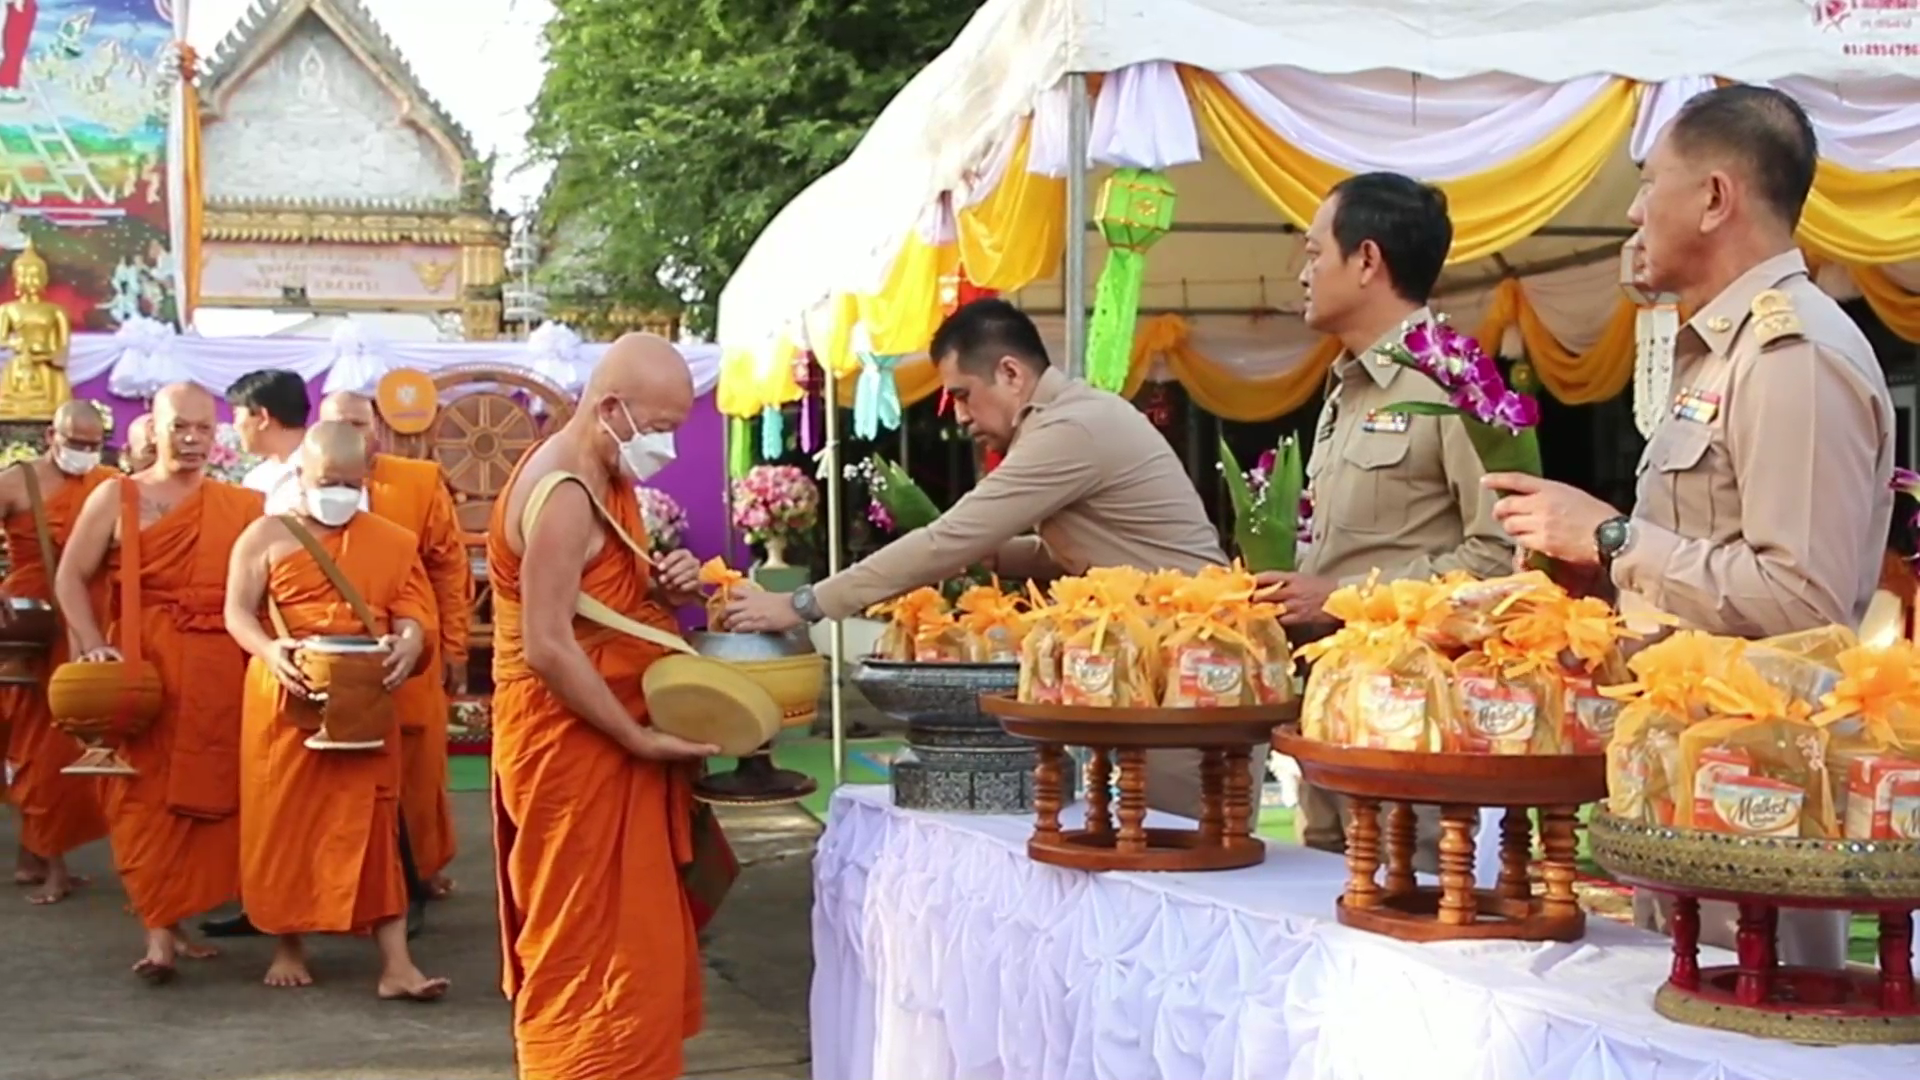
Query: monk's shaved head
[[641, 386], [333, 454], [140, 443], [78, 424], [183, 421], [355, 410]]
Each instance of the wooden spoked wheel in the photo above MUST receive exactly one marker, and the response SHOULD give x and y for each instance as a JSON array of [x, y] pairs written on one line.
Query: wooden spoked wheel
[[478, 439]]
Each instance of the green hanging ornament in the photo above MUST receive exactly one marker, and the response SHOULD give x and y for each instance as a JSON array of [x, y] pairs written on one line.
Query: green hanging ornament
[[739, 446], [1135, 211], [1523, 378]]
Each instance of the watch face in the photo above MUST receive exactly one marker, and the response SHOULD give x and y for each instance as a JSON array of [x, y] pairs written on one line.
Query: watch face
[[1611, 536]]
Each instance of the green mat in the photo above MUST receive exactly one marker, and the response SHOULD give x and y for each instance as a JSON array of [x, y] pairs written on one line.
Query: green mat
[[467, 772]]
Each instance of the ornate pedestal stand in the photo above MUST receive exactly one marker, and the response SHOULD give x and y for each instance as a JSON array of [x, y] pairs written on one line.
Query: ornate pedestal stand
[[1460, 784], [1119, 740], [793, 673], [1760, 875], [956, 761]]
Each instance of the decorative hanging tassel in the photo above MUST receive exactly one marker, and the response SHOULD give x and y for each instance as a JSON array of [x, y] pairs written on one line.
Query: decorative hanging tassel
[[739, 446], [876, 397], [1135, 211], [804, 373], [773, 433]]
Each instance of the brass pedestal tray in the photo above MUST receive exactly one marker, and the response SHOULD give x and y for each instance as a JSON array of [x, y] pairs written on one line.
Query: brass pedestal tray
[[1460, 784], [1119, 739], [1761, 875]]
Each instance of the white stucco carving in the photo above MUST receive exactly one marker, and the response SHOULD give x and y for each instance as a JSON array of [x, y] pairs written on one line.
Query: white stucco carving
[[311, 122]]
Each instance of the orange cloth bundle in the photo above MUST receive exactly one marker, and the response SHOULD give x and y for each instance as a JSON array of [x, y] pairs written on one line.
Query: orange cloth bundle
[[1108, 655], [725, 581], [1672, 684], [1552, 652], [1872, 721], [1040, 652], [1207, 655], [1462, 612], [993, 623], [940, 639], [906, 617], [1376, 682]]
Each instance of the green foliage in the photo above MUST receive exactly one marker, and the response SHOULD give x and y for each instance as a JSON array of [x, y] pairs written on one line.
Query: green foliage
[[1266, 527], [678, 129]]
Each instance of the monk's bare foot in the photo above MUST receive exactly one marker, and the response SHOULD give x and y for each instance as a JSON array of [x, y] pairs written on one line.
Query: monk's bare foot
[[411, 985], [29, 869], [157, 966], [190, 948], [440, 887], [289, 967], [58, 886]]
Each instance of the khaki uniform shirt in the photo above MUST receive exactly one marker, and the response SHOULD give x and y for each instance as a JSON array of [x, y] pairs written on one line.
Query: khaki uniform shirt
[[1396, 492], [1086, 467], [1763, 499]]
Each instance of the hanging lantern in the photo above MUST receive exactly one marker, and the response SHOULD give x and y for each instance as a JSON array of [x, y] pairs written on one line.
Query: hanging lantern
[[1157, 404], [968, 292], [1135, 211], [739, 446], [806, 375]]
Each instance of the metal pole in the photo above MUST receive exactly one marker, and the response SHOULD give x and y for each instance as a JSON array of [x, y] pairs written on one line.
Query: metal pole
[[1074, 287], [837, 640], [726, 481]]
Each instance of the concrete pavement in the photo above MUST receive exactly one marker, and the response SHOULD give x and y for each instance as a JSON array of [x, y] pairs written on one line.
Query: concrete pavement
[[71, 1010]]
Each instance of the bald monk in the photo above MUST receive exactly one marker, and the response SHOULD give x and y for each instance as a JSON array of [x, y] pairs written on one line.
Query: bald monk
[[175, 834], [592, 805], [414, 494], [140, 451], [319, 829], [58, 813]]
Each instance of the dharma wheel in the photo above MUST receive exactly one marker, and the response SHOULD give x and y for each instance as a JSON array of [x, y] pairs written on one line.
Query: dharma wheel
[[478, 439]]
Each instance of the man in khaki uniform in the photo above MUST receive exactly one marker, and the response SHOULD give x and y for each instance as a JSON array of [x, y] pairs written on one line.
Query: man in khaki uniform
[[1098, 480], [1763, 502], [1391, 492]]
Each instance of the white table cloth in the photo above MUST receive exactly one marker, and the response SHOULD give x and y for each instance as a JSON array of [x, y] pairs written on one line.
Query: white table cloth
[[941, 952]]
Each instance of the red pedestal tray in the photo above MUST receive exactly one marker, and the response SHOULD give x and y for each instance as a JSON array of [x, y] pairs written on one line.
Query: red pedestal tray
[[1760, 874], [1119, 739], [1460, 784]]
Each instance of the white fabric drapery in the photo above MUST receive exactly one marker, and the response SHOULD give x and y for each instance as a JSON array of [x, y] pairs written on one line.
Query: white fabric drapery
[[941, 952], [151, 358], [838, 238]]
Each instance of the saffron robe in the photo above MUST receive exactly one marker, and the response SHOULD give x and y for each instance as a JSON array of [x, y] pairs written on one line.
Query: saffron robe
[[601, 960], [174, 827], [413, 494], [320, 829], [58, 813]]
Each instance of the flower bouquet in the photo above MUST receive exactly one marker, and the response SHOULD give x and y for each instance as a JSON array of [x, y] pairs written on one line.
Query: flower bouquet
[[775, 505], [897, 505], [226, 461], [665, 521], [1266, 505], [1499, 421]]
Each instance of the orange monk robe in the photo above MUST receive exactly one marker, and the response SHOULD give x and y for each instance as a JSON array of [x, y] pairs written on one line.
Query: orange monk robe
[[58, 813], [320, 829], [600, 956], [411, 493], [174, 827]]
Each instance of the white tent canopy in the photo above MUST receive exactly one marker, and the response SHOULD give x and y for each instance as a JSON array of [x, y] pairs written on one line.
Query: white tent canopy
[[842, 233]]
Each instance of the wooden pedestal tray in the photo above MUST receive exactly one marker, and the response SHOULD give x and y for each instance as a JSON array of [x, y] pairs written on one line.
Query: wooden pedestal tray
[[1760, 875], [1460, 784], [1120, 738]]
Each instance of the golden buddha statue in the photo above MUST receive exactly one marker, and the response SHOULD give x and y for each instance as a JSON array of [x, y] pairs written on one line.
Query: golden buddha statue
[[38, 334]]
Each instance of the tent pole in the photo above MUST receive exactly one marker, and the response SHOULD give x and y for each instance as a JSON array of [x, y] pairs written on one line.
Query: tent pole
[[837, 641], [1079, 123], [726, 484]]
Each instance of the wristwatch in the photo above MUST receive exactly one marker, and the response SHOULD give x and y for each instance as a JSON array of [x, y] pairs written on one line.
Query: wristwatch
[[1612, 538], [806, 606]]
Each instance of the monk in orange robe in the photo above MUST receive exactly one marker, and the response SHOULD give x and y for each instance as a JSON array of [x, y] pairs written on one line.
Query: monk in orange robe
[[140, 452], [58, 813], [414, 494], [320, 829], [174, 829], [592, 805]]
